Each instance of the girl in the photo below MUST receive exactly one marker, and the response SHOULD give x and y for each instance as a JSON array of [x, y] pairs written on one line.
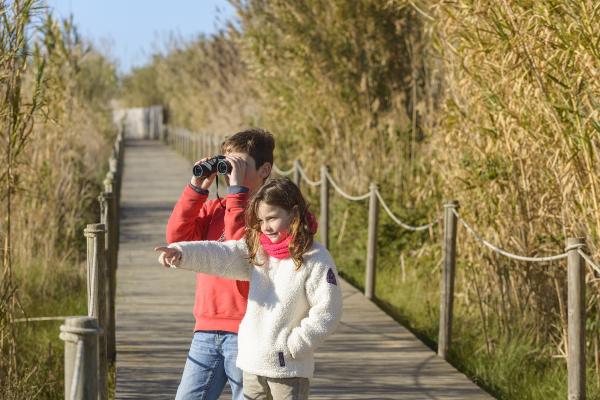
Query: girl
[[295, 300]]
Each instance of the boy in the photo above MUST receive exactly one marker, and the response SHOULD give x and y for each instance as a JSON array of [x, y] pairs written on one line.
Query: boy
[[220, 303]]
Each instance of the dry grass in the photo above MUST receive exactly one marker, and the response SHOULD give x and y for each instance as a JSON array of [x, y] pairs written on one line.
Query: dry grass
[[518, 143], [54, 128]]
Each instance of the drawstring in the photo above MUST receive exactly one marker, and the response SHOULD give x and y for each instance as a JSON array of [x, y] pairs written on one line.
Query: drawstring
[[218, 198]]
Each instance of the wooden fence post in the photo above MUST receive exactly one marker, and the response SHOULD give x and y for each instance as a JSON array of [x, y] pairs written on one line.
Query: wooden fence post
[[97, 288], [576, 319], [297, 176], [113, 168], [119, 152], [372, 243], [109, 186], [324, 207], [447, 282], [107, 218], [80, 335]]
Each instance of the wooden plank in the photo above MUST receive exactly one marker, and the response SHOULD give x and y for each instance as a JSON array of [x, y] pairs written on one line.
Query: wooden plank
[[154, 321], [369, 357]]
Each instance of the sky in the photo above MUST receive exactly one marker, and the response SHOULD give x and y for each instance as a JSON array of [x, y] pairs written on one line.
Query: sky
[[130, 30]]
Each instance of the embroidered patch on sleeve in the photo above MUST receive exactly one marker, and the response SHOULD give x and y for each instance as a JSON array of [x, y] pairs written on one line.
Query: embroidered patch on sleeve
[[281, 359], [331, 277]]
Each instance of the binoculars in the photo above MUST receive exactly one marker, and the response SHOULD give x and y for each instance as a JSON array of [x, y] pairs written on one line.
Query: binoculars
[[214, 164]]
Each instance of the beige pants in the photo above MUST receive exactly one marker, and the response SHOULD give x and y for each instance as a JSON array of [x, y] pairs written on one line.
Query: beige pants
[[258, 387]]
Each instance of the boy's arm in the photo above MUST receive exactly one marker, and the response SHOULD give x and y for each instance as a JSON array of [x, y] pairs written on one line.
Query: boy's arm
[[325, 298], [188, 221], [227, 259], [236, 203]]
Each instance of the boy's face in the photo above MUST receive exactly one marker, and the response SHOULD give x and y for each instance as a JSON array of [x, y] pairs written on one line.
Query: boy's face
[[254, 178]]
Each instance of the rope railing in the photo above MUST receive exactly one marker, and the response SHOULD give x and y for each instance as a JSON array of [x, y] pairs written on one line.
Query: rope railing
[[505, 253], [87, 367], [82, 366], [341, 192], [186, 135], [77, 370], [283, 173], [87, 360], [403, 224], [307, 179], [589, 261], [314, 183], [36, 319]]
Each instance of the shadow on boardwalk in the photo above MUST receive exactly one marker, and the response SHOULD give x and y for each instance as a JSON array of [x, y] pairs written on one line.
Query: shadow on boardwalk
[[369, 357]]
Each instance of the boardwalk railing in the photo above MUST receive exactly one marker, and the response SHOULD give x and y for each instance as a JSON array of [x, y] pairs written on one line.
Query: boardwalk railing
[[195, 146], [90, 340]]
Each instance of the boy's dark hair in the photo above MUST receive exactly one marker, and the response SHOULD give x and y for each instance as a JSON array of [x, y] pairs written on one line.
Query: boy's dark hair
[[256, 142]]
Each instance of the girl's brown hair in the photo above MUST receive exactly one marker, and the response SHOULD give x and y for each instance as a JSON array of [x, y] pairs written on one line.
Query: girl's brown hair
[[280, 192]]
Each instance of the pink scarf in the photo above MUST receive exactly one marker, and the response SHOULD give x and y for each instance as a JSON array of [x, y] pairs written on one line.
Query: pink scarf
[[281, 249]]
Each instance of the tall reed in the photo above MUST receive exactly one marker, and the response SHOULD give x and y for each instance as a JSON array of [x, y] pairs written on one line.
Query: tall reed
[[17, 110], [55, 123]]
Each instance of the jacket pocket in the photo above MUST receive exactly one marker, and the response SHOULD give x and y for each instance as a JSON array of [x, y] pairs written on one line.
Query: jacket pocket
[[281, 345]]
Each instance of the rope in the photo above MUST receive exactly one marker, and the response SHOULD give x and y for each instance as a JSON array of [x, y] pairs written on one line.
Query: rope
[[283, 173], [77, 371], [92, 287], [344, 194], [307, 180], [40, 319], [504, 252], [80, 331], [589, 260], [402, 224]]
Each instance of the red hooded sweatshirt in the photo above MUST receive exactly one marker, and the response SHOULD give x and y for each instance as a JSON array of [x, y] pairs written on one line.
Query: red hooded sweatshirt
[[220, 303]]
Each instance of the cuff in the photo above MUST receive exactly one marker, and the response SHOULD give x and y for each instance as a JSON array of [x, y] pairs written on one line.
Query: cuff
[[198, 190], [293, 348], [178, 247], [235, 189]]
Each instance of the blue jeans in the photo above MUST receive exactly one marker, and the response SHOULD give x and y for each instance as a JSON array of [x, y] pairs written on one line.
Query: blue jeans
[[210, 363]]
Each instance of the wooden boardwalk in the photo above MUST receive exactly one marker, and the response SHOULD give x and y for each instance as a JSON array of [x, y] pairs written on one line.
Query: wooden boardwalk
[[369, 357]]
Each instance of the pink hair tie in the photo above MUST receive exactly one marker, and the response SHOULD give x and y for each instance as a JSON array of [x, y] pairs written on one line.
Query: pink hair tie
[[312, 222]]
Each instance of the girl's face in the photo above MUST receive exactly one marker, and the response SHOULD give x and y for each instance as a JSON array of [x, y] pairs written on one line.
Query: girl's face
[[274, 221]]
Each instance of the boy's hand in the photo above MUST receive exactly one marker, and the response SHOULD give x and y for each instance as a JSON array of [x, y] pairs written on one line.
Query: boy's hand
[[238, 169], [169, 257], [203, 183]]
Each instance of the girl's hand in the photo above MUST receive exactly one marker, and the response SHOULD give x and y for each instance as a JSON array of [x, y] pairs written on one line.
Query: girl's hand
[[169, 257]]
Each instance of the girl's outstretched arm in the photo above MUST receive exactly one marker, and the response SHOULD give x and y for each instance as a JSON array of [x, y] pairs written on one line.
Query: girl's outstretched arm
[[227, 259]]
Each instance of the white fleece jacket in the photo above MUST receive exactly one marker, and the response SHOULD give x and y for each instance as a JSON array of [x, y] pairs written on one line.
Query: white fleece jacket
[[289, 312]]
